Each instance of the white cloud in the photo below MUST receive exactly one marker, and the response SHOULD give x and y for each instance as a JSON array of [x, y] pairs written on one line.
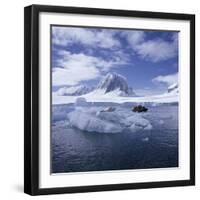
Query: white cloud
[[134, 37], [106, 39], [71, 69], [66, 35], [63, 76], [168, 79], [157, 50], [154, 50]]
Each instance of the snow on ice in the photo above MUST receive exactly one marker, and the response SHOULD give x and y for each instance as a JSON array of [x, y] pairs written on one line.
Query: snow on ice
[[119, 120], [113, 88]]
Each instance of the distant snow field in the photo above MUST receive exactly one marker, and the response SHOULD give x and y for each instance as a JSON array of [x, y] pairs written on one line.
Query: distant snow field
[[113, 88], [97, 96]]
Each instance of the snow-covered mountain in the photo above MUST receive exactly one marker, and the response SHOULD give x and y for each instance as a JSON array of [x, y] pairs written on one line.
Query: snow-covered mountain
[[115, 82], [112, 88], [112, 83], [74, 90], [173, 88]]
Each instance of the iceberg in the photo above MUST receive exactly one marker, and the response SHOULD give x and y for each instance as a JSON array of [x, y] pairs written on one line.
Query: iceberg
[[93, 120], [81, 102], [90, 123]]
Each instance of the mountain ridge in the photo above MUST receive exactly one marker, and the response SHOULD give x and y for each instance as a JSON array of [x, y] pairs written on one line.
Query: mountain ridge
[[173, 88], [111, 82]]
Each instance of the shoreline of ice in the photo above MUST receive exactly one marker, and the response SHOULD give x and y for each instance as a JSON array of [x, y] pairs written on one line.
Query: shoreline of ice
[[96, 98]]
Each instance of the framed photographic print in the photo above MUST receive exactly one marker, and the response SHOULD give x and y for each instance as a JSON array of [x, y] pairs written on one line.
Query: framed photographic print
[[109, 100]]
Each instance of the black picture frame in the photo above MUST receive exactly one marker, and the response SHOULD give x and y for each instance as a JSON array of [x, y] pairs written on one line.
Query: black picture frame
[[31, 98]]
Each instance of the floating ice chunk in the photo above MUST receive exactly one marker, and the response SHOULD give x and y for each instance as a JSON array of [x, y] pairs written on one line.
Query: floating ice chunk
[[146, 139], [90, 123], [108, 109], [161, 122], [138, 120], [148, 127], [93, 120], [154, 104], [62, 124], [109, 116], [81, 102], [138, 123], [134, 128]]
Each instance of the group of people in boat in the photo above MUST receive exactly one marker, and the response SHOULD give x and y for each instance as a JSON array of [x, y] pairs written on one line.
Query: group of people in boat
[[138, 108]]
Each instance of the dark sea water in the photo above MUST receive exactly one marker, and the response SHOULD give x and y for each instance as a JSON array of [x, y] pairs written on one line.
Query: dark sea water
[[74, 150]]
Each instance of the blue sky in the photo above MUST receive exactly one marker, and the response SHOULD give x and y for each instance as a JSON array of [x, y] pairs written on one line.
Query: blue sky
[[148, 59]]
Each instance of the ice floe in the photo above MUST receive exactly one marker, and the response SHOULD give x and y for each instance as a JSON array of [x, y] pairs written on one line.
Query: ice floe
[[119, 120]]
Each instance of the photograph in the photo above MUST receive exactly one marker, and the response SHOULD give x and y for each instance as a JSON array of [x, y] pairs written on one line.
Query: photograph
[[114, 99], [109, 99]]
